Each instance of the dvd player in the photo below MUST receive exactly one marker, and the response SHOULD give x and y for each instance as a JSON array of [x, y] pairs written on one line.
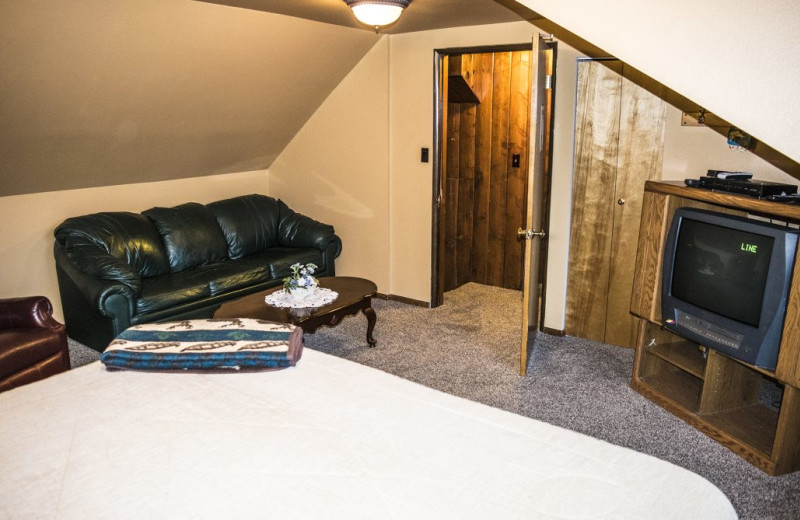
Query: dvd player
[[749, 187]]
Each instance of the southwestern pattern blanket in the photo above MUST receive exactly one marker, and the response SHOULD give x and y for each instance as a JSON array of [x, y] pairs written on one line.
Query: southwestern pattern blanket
[[215, 344]]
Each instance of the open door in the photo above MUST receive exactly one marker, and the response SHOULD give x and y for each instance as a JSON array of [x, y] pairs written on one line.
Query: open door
[[439, 181], [534, 216]]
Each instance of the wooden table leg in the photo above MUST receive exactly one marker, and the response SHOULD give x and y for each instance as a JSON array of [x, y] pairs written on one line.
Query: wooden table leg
[[371, 318]]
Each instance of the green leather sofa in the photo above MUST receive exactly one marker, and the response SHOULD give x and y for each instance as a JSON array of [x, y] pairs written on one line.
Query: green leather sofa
[[117, 269]]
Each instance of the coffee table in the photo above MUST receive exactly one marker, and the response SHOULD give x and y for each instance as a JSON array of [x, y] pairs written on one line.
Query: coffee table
[[355, 294]]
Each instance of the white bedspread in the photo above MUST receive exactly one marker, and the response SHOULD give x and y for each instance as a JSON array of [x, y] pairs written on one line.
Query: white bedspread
[[328, 439]]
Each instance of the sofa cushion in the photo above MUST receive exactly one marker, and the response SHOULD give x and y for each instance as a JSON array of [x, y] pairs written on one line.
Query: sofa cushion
[[173, 289], [245, 272], [249, 223], [130, 238], [280, 259], [191, 235]]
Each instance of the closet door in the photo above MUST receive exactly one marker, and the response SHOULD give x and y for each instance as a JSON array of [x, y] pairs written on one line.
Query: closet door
[[593, 177], [618, 146]]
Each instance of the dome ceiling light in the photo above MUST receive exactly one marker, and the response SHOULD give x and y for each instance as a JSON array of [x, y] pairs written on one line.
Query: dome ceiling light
[[377, 13]]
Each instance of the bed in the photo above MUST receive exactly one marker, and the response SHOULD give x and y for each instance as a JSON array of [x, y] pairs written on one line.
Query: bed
[[327, 438]]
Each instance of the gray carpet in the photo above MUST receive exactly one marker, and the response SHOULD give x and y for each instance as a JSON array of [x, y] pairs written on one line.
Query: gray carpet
[[469, 347]]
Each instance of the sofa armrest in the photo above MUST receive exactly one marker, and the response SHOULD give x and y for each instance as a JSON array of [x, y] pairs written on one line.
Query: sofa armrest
[[330, 254], [95, 310], [98, 291], [98, 263], [28, 312], [297, 230]]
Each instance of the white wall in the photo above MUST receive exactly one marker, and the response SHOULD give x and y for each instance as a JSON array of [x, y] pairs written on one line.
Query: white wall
[[736, 58], [340, 159], [690, 151], [27, 222]]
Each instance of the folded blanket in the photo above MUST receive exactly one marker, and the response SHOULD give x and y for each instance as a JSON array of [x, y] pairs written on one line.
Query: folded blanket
[[238, 344]]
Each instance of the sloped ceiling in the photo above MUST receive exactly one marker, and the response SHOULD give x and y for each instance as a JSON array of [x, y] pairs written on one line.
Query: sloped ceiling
[[736, 59], [712, 55], [104, 92]]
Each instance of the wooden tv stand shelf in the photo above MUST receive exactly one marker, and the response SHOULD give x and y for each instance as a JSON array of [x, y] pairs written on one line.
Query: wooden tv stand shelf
[[752, 411]]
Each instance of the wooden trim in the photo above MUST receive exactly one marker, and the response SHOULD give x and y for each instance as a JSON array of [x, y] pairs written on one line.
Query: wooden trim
[[403, 299], [786, 449], [544, 251], [439, 117], [439, 161], [481, 49], [646, 289], [731, 200], [554, 332], [788, 367]]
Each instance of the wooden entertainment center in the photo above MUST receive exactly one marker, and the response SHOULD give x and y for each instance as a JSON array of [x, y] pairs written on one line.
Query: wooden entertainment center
[[752, 411]]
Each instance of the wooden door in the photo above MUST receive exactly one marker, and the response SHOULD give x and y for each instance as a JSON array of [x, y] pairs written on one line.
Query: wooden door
[[535, 202], [593, 177], [619, 133], [439, 180], [639, 158]]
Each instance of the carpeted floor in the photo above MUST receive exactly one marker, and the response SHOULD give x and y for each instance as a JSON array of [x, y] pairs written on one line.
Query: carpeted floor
[[469, 347]]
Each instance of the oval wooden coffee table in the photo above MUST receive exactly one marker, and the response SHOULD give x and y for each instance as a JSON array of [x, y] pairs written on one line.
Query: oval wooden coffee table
[[355, 294]]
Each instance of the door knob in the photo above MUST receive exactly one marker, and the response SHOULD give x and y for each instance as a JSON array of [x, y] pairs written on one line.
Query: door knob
[[620, 201], [528, 234]]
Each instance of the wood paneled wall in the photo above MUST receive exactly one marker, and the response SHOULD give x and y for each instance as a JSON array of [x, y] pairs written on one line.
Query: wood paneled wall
[[484, 192]]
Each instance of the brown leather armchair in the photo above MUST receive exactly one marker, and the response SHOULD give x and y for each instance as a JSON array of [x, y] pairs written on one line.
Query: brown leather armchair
[[33, 345]]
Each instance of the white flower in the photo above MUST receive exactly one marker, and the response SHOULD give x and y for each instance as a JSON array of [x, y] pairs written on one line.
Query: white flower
[[301, 277]]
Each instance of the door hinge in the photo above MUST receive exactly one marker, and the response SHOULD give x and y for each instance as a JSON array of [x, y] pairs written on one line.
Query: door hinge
[[548, 82]]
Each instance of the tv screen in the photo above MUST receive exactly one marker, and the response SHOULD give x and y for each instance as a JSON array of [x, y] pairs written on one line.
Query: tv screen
[[725, 283], [722, 270]]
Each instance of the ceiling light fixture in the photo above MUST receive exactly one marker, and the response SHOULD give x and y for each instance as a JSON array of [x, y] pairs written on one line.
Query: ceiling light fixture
[[377, 13]]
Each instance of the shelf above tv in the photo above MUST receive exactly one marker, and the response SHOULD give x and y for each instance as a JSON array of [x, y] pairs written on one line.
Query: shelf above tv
[[731, 200]]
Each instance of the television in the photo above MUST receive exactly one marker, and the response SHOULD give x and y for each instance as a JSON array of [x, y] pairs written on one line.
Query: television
[[725, 283]]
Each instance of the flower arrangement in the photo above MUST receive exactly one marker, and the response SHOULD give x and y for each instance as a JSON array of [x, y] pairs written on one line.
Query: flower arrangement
[[301, 283]]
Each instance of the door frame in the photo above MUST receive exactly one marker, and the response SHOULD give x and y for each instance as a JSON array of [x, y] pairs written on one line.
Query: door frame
[[439, 130]]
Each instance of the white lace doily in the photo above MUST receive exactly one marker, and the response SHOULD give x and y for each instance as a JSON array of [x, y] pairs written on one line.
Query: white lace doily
[[320, 297]]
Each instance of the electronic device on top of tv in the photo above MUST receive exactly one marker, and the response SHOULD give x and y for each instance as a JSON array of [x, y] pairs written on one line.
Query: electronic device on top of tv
[[725, 283]]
